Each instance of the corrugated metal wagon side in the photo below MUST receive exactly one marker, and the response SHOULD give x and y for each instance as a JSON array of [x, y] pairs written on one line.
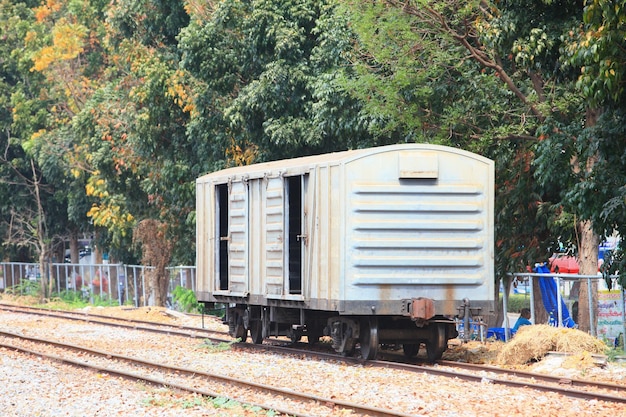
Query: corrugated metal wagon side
[[379, 245]]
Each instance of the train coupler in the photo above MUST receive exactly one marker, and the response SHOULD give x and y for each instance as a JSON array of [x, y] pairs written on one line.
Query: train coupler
[[421, 309]]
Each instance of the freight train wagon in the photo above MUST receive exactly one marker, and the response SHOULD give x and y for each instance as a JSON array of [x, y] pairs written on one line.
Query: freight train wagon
[[370, 246]]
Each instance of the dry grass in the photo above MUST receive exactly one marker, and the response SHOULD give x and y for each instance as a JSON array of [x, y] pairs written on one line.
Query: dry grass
[[473, 352], [531, 343], [157, 314]]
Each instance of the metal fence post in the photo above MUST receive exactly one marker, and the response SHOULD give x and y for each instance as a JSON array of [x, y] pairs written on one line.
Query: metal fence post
[[505, 307], [623, 321], [532, 300], [559, 308]]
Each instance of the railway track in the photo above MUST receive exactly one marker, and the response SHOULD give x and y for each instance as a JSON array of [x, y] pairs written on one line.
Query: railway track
[[575, 388], [283, 400], [588, 390], [146, 325]]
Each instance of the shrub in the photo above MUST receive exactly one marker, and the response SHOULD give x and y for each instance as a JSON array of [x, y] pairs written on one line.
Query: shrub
[[517, 302], [186, 300], [25, 287]]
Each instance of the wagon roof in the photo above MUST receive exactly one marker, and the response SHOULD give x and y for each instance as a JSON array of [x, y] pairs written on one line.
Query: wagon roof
[[336, 158]]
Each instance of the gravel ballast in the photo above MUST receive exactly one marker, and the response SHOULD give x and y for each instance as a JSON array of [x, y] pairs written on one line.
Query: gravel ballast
[[36, 387]]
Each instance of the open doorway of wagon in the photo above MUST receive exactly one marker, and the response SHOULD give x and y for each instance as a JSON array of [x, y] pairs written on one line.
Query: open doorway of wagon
[[295, 190]]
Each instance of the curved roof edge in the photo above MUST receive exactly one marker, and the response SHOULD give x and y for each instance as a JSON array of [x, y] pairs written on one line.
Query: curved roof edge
[[259, 169]]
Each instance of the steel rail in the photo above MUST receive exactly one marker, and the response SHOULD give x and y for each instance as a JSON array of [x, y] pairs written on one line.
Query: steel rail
[[289, 348], [528, 383], [574, 382], [163, 328], [361, 409]]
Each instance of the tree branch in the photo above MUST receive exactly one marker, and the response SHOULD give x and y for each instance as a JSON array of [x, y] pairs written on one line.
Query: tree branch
[[439, 23]]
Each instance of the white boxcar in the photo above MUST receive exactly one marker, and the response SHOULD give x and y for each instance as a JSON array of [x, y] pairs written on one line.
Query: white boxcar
[[369, 246]]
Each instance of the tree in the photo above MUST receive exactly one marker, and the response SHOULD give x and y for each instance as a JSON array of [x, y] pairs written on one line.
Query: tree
[[31, 212], [116, 113], [266, 81], [52, 56], [156, 252], [550, 51], [596, 48], [519, 45]]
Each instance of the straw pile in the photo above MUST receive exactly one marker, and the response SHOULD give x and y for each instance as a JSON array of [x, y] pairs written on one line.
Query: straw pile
[[473, 352], [531, 343]]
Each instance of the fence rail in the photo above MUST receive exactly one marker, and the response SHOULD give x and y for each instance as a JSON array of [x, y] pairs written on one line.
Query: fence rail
[[128, 284], [567, 279]]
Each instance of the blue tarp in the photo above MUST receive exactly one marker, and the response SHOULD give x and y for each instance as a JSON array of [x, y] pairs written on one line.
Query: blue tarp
[[498, 333], [549, 297]]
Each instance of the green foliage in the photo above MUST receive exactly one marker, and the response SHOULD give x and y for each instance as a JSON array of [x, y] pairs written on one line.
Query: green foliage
[[416, 82], [22, 112], [195, 402], [151, 22], [73, 299], [522, 216], [77, 299], [614, 263], [212, 347], [103, 301], [614, 353], [122, 105], [223, 402], [267, 80], [516, 302], [598, 47], [186, 299], [25, 287]]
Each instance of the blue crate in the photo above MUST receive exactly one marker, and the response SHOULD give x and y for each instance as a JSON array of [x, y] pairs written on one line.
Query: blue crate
[[498, 333]]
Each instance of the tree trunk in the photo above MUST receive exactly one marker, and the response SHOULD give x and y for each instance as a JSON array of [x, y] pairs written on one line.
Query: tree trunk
[[96, 250], [588, 262], [540, 313], [157, 252], [588, 251], [43, 276], [159, 283], [74, 256]]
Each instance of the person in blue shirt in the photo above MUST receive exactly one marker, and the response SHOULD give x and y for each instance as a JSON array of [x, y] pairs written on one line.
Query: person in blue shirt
[[523, 320]]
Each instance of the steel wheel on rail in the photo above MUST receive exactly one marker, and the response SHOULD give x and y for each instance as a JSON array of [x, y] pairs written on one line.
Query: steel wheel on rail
[[369, 338], [437, 343]]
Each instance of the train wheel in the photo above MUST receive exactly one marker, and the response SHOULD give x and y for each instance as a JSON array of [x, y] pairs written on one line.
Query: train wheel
[[342, 331], [437, 344], [410, 349], [369, 338], [256, 331]]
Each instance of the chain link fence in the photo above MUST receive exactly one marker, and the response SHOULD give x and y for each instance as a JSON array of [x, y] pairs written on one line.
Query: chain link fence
[[126, 284]]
